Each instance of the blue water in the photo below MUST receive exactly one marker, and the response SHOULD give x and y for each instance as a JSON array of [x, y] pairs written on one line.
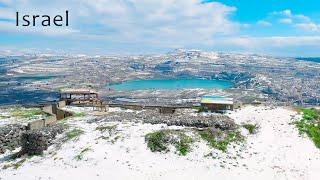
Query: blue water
[[171, 84]]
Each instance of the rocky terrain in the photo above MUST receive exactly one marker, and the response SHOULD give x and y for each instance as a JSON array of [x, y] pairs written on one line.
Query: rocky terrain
[[256, 77], [251, 142], [10, 136]]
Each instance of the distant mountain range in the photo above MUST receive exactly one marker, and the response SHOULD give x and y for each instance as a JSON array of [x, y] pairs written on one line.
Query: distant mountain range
[[313, 59]]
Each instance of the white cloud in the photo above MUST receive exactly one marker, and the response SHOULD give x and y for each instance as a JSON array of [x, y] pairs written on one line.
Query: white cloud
[[48, 31], [285, 13], [168, 22], [264, 23], [312, 27], [274, 45], [285, 21], [277, 41], [298, 21], [160, 24], [6, 14], [5, 1], [302, 18]]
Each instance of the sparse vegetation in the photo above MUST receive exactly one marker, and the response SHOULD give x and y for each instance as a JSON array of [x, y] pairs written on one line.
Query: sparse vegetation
[[220, 140], [3, 117], [115, 139], [310, 125], [14, 165], [157, 141], [28, 113], [18, 164], [160, 141], [252, 128], [109, 128], [79, 114], [201, 109], [183, 144], [74, 133], [80, 155]]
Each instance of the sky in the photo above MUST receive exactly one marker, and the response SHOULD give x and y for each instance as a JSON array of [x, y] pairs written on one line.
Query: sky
[[97, 27]]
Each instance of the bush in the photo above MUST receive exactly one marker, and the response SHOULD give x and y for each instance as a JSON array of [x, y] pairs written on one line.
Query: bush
[[183, 144], [157, 141], [309, 124], [222, 142], [252, 128], [201, 109], [160, 140]]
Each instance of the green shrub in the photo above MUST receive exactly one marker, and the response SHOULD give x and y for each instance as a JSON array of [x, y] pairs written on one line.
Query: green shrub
[[251, 128], [183, 144], [157, 141], [310, 114], [221, 144], [201, 109], [74, 133], [309, 124], [160, 140]]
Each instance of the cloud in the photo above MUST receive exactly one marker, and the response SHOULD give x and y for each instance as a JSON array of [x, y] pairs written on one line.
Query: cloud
[[300, 22], [155, 24], [286, 12], [274, 45], [6, 14], [175, 22], [9, 27], [171, 21], [264, 23], [5, 1], [276, 41], [312, 27], [285, 21]]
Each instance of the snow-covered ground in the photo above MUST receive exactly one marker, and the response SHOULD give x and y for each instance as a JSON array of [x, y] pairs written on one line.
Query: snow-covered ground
[[276, 152]]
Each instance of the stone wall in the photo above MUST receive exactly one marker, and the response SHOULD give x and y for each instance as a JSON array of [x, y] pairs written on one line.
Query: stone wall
[[48, 109], [16, 135], [61, 114], [10, 136], [34, 142], [62, 104], [54, 110]]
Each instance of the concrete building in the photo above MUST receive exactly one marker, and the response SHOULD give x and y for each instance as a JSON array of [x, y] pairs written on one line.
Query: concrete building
[[71, 95], [217, 103], [82, 97]]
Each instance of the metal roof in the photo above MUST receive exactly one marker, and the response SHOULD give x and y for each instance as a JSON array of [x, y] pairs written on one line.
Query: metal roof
[[216, 100]]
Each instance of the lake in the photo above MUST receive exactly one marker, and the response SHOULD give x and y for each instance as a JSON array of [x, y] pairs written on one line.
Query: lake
[[171, 84]]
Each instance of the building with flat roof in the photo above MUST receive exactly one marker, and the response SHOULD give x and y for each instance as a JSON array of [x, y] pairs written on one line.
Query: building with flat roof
[[217, 103], [82, 97], [78, 94]]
